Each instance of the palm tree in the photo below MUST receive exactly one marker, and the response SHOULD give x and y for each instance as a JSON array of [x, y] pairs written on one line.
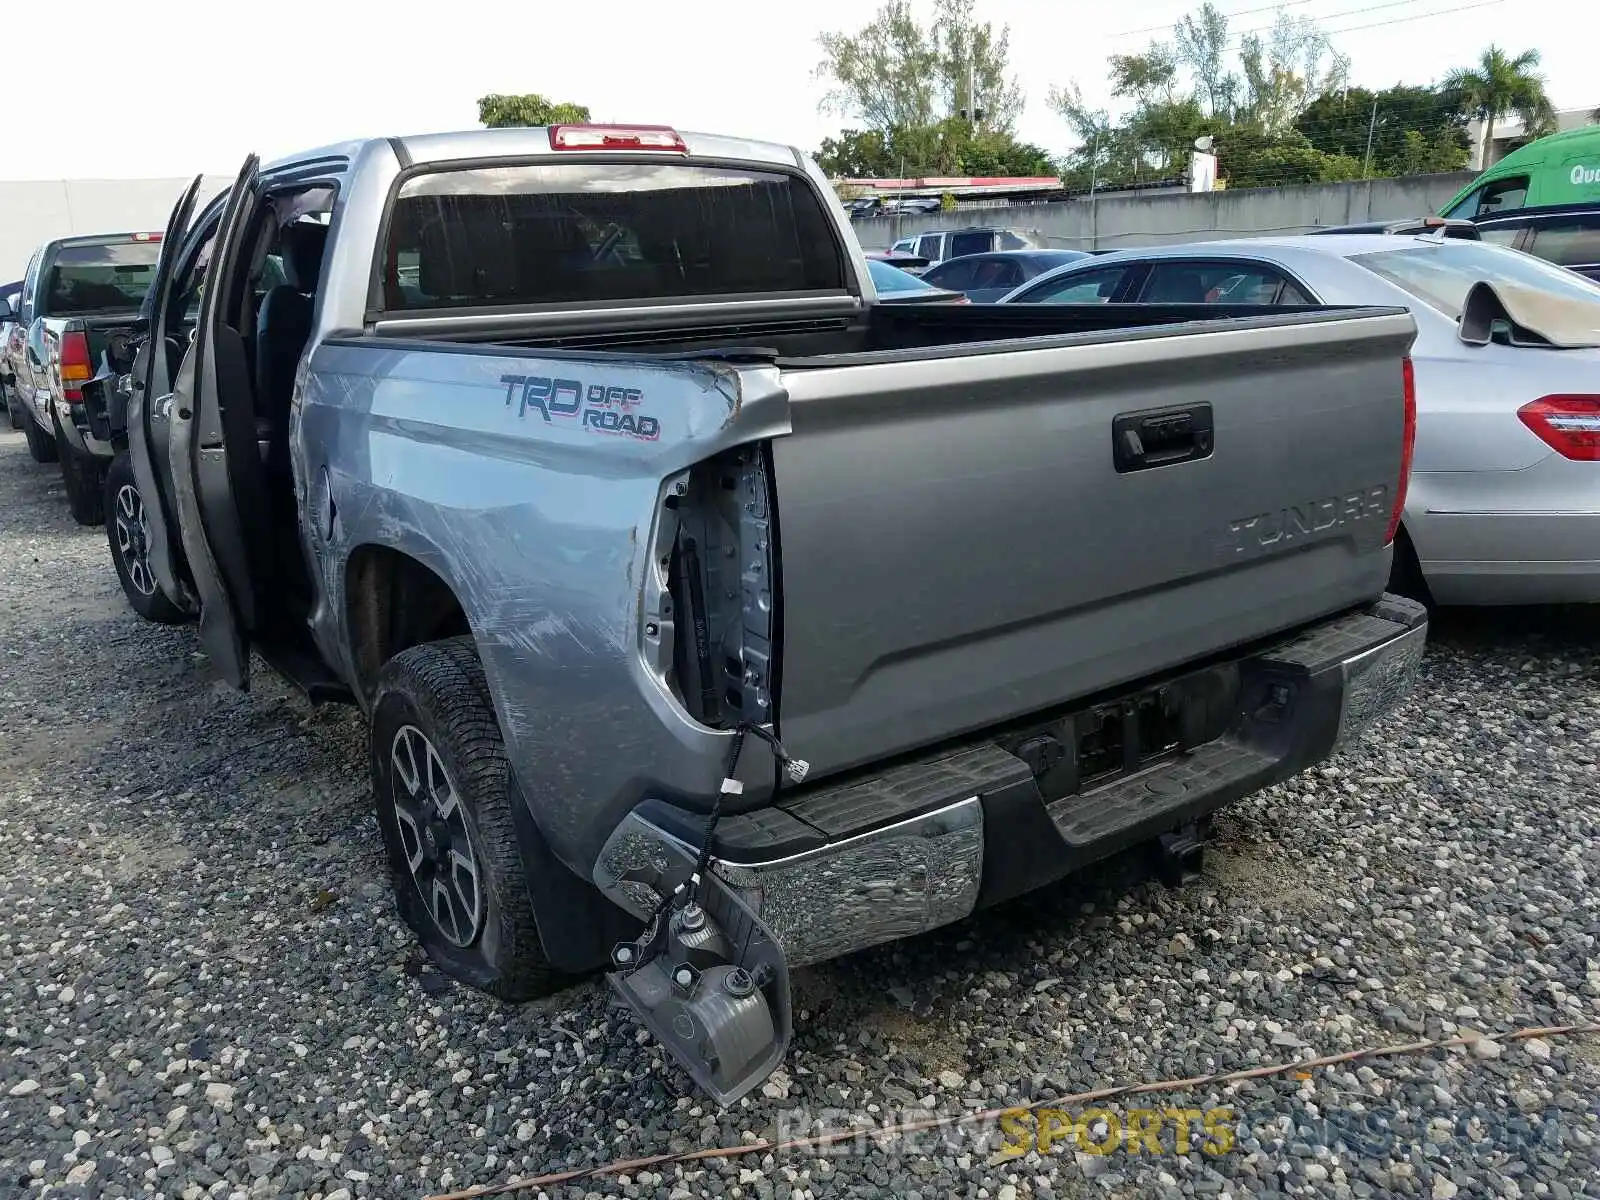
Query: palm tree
[[1500, 84]]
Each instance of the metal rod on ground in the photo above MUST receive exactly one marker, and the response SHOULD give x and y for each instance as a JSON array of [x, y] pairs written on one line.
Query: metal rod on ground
[[994, 1114]]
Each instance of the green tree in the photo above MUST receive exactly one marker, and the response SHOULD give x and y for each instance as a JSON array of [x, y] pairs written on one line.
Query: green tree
[[1277, 105], [502, 112], [1499, 84], [1249, 156], [1201, 44], [947, 147], [1283, 72], [896, 73], [857, 154], [1414, 130]]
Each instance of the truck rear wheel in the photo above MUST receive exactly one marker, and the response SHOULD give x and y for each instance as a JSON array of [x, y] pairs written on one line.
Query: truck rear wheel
[[41, 446], [441, 783], [84, 483], [128, 532]]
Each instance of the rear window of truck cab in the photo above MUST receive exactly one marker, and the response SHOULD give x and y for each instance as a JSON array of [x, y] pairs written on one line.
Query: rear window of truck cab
[[111, 276], [576, 233]]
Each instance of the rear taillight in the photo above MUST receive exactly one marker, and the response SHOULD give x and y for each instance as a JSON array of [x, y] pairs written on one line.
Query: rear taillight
[[1408, 443], [75, 367], [147, 237], [1569, 425]]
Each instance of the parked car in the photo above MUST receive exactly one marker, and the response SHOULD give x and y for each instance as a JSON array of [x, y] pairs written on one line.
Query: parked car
[[984, 278], [503, 469], [912, 264], [936, 245], [1565, 234], [80, 296], [11, 300], [894, 286], [1504, 503], [1563, 168], [1445, 227]]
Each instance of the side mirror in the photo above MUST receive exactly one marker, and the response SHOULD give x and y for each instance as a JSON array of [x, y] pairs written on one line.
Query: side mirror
[[7, 313]]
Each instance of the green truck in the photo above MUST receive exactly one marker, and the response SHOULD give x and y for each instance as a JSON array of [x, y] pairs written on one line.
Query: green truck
[[1563, 168]]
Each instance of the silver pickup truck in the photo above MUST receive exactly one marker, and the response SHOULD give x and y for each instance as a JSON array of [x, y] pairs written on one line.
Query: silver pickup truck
[[712, 618]]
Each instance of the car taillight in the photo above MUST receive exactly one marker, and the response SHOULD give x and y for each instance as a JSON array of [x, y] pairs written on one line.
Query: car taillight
[[1569, 425], [147, 237], [617, 137], [1408, 443], [74, 366]]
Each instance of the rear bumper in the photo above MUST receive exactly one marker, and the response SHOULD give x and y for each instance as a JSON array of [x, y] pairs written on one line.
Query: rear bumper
[[924, 844], [79, 436]]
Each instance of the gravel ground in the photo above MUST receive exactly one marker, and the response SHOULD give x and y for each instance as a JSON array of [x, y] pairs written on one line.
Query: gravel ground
[[204, 990]]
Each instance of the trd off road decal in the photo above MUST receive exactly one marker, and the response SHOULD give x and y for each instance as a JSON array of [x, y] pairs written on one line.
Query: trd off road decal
[[599, 407]]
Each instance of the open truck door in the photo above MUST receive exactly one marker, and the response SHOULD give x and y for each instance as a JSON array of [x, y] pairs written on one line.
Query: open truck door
[[212, 446], [150, 397]]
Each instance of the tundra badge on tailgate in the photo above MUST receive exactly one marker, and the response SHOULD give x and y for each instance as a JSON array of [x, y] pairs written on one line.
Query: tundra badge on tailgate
[[1264, 530]]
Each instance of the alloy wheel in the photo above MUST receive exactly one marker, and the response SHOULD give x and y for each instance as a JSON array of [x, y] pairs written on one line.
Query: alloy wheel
[[133, 539], [435, 838]]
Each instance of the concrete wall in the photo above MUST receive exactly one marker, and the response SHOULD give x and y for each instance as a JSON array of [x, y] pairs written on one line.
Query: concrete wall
[[35, 211], [1156, 219]]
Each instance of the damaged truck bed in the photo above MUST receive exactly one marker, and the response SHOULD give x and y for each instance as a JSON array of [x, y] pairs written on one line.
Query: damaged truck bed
[[714, 619]]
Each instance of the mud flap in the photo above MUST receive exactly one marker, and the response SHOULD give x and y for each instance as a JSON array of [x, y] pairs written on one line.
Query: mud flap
[[707, 978]]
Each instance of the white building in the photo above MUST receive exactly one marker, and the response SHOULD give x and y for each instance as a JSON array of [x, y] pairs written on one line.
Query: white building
[[1509, 134]]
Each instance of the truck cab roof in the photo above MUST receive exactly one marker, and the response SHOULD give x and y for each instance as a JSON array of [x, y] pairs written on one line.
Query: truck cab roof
[[524, 141]]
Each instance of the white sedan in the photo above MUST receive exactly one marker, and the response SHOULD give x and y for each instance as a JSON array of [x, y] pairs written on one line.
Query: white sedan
[[1504, 502]]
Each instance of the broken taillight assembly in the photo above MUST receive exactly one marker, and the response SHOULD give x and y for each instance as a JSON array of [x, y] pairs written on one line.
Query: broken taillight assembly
[[1569, 425]]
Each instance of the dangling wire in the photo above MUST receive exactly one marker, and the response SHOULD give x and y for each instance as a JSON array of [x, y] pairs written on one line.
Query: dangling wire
[[795, 769]]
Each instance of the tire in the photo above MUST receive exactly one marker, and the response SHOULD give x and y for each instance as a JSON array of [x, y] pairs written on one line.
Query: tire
[[435, 696], [13, 410], [41, 445], [126, 523], [84, 480], [1405, 575]]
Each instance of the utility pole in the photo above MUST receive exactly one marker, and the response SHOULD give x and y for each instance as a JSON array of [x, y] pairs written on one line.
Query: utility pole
[[972, 83], [970, 110], [1094, 187], [1372, 125]]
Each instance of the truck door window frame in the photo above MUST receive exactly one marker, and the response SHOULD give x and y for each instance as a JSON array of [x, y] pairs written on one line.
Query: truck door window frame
[[1471, 204], [30, 288]]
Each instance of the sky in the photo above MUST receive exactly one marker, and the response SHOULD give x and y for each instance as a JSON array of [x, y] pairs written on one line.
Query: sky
[[204, 89]]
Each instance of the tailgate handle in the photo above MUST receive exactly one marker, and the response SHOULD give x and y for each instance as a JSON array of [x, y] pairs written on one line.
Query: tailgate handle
[[1159, 437]]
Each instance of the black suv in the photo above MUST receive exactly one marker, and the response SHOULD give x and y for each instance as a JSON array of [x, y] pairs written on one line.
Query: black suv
[[1565, 234]]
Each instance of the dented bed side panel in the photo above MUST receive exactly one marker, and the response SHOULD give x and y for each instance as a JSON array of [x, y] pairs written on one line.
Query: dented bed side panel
[[535, 488]]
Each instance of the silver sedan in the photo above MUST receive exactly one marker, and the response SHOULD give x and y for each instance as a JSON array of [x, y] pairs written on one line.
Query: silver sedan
[[1504, 501]]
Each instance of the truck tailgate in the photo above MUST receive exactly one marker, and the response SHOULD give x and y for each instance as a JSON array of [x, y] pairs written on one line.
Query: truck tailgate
[[968, 538]]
